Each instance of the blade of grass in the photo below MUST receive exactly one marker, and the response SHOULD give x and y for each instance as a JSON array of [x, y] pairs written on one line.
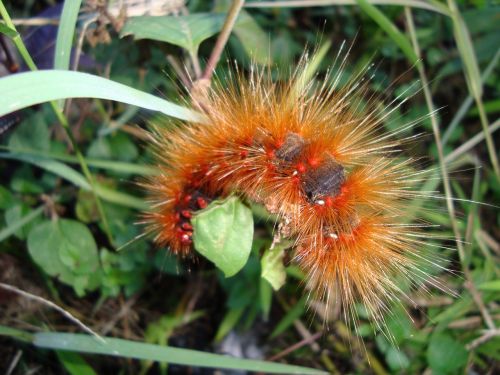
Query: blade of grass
[[469, 284], [434, 6], [69, 174], [26, 89], [65, 33], [16, 334], [472, 76], [138, 350], [385, 24], [462, 111], [111, 165], [10, 230]]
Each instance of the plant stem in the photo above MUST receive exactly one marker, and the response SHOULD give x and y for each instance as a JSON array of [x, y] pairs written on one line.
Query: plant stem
[[234, 10], [18, 42]]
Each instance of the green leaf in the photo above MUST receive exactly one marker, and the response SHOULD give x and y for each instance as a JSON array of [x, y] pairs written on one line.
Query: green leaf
[[6, 30], [74, 363], [65, 34], [184, 31], [223, 234], [66, 249], [445, 354], [273, 269], [139, 350], [490, 285], [26, 89]]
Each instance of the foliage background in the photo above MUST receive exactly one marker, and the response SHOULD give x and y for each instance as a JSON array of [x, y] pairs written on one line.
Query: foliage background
[[141, 293]]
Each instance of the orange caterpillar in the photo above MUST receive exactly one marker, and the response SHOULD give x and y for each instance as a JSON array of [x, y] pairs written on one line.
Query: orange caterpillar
[[319, 159]]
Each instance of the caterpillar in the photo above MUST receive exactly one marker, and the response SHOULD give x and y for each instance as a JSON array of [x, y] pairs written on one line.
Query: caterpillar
[[317, 156]]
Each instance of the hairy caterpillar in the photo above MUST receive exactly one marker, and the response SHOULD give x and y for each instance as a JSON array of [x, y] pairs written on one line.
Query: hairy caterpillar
[[319, 158]]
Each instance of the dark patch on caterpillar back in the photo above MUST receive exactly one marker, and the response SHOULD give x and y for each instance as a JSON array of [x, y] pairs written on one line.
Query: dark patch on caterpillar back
[[325, 180], [291, 148]]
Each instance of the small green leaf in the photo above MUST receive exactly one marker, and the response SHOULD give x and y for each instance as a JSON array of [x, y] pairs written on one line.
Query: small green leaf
[[445, 354], [66, 249], [184, 31], [273, 269], [490, 285], [223, 234]]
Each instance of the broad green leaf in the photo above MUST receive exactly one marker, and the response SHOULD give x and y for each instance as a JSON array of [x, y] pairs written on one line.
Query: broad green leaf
[[138, 350], [223, 234], [66, 249], [273, 269], [490, 285], [184, 31], [26, 89], [446, 355]]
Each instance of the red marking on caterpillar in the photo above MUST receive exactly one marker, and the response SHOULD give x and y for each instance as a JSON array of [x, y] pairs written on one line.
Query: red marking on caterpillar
[[312, 156]]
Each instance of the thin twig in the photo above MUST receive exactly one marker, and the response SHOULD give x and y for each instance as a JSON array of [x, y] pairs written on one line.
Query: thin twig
[[179, 71], [14, 362], [36, 21], [52, 305], [488, 335], [298, 345], [222, 39]]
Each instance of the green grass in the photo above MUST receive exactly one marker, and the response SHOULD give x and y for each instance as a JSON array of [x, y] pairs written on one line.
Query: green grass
[[87, 176]]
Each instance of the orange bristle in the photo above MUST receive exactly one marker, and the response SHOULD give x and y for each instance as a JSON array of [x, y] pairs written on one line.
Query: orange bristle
[[317, 158]]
